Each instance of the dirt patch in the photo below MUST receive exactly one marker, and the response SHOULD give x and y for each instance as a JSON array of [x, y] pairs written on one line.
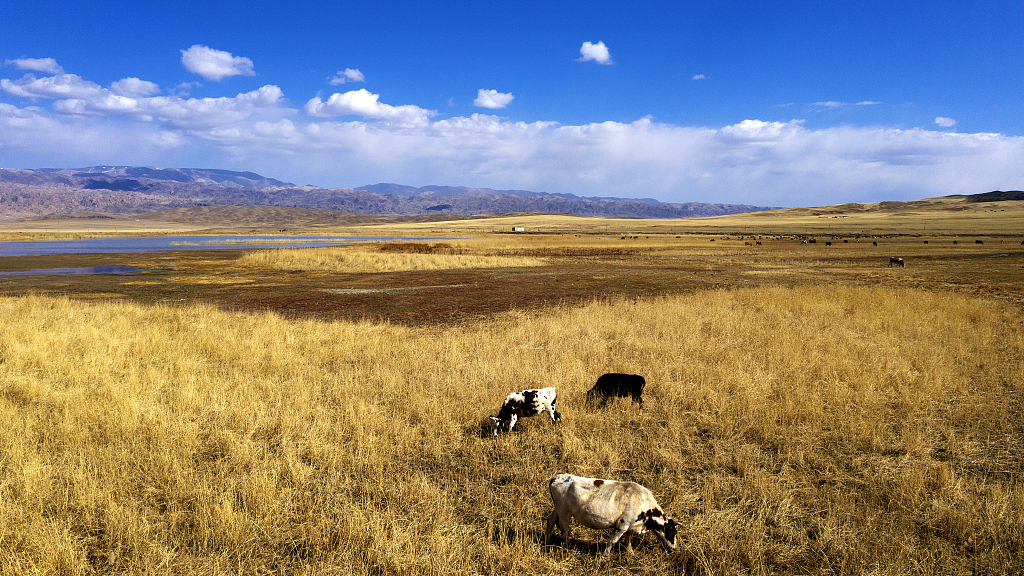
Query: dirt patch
[[352, 291], [443, 297]]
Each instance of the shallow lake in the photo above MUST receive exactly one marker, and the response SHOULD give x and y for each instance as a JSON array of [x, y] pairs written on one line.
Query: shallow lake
[[157, 243], [120, 270]]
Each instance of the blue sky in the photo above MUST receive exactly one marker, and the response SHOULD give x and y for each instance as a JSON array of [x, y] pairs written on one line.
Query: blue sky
[[767, 103]]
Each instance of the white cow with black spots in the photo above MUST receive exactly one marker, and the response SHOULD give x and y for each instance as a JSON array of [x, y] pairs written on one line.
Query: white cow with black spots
[[626, 507], [522, 404]]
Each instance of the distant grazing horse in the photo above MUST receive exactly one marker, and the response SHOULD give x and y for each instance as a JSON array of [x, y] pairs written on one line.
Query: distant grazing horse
[[897, 261]]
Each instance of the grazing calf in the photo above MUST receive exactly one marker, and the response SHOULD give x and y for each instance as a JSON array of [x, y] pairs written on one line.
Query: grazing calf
[[618, 385], [522, 404], [626, 507], [897, 261]]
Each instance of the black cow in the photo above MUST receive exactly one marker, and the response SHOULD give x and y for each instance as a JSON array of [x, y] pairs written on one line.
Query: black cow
[[618, 385]]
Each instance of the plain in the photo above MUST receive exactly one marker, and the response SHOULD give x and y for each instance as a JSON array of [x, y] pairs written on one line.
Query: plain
[[806, 411]]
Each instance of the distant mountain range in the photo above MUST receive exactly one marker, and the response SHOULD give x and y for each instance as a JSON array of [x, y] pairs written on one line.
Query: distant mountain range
[[457, 190], [125, 189]]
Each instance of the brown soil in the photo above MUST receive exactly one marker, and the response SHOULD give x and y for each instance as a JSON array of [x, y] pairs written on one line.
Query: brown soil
[[441, 297]]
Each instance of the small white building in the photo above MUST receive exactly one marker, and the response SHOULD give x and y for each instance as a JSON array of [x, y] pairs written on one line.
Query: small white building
[[518, 229]]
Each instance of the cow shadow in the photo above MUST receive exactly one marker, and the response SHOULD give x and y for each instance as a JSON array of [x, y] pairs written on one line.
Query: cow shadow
[[481, 430], [506, 535], [573, 545], [641, 544]]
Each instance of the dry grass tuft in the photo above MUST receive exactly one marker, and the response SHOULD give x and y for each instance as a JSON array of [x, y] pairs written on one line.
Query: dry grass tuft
[[385, 257], [809, 430]]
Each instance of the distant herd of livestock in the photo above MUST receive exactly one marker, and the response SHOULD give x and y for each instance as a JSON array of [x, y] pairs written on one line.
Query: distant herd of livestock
[[626, 508]]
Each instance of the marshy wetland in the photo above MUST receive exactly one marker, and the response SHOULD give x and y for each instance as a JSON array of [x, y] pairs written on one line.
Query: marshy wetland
[[323, 410]]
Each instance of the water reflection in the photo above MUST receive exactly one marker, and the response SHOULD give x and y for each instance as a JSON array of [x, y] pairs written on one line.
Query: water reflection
[[157, 243], [124, 270]]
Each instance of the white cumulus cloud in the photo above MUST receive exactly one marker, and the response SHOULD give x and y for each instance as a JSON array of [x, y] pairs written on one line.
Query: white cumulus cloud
[[596, 52], [699, 77], [133, 87], [48, 65], [209, 113], [215, 65], [366, 104], [347, 75], [103, 103], [59, 86], [492, 99], [945, 122], [133, 97], [752, 161]]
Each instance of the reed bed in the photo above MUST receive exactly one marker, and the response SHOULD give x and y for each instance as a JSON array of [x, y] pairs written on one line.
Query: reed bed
[[823, 430], [386, 257]]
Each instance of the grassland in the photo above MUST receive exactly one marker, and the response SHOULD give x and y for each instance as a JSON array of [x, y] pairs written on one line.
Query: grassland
[[878, 431], [384, 257], [809, 410]]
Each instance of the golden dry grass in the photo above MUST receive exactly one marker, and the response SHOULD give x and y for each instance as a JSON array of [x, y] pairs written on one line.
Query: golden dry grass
[[387, 257], [824, 429]]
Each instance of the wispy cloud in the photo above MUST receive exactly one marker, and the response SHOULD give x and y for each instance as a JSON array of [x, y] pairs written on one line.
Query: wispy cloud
[[183, 89], [699, 77], [347, 75], [945, 122], [834, 104], [492, 99], [48, 65], [597, 52], [215, 65]]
